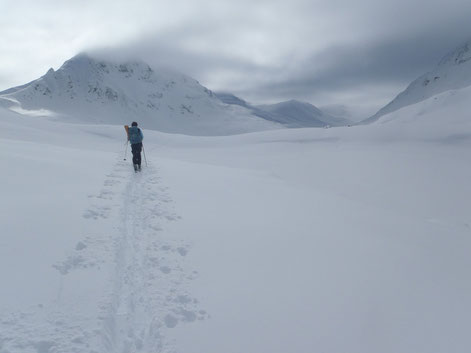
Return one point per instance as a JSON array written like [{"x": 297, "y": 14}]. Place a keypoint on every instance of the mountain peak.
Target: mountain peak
[
  {"x": 458, "y": 56},
  {"x": 296, "y": 104},
  {"x": 295, "y": 101},
  {"x": 85, "y": 61},
  {"x": 78, "y": 60},
  {"x": 294, "y": 113}
]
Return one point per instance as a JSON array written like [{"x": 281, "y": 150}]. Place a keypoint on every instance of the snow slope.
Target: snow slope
[
  {"x": 89, "y": 90},
  {"x": 292, "y": 114},
  {"x": 453, "y": 72},
  {"x": 294, "y": 240}
]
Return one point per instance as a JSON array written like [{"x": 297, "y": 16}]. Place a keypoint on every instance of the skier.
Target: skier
[{"x": 135, "y": 137}]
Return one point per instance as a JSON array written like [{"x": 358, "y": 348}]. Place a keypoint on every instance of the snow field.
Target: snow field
[
  {"x": 326, "y": 246},
  {"x": 88, "y": 271},
  {"x": 336, "y": 240}
]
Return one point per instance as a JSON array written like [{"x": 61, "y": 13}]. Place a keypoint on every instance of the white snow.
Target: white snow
[{"x": 302, "y": 240}]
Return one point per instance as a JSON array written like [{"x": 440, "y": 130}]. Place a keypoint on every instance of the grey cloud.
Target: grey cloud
[
  {"x": 173, "y": 48},
  {"x": 389, "y": 57},
  {"x": 316, "y": 50},
  {"x": 397, "y": 62},
  {"x": 389, "y": 62}
]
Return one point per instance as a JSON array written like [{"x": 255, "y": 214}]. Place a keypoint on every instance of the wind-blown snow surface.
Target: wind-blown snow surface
[{"x": 305, "y": 240}]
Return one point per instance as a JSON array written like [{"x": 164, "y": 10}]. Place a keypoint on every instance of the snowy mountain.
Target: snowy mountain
[
  {"x": 294, "y": 113},
  {"x": 231, "y": 99},
  {"x": 89, "y": 90},
  {"x": 291, "y": 113},
  {"x": 452, "y": 72}
]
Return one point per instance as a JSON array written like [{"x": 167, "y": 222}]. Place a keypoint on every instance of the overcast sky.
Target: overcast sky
[{"x": 332, "y": 53}]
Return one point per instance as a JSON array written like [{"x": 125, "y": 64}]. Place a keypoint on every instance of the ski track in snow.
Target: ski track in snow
[{"x": 144, "y": 272}]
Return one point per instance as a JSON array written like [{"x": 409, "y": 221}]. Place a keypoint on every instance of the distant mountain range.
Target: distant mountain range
[
  {"x": 293, "y": 113},
  {"x": 452, "y": 72},
  {"x": 91, "y": 90},
  {"x": 86, "y": 89}
]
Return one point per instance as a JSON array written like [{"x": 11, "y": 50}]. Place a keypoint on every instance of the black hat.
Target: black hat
[{"x": 134, "y": 123}]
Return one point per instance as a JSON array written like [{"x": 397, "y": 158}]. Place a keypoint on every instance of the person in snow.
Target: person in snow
[{"x": 135, "y": 137}]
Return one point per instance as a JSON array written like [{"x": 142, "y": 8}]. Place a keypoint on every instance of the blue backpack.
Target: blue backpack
[{"x": 135, "y": 135}]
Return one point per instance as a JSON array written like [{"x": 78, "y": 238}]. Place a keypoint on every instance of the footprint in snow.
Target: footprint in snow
[
  {"x": 182, "y": 251},
  {"x": 165, "y": 269},
  {"x": 170, "y": 321}
]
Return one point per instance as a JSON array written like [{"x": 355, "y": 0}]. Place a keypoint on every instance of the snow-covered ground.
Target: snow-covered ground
[{"x": 303, "y": 240}]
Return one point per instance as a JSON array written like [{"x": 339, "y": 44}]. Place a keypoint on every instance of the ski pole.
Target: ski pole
[
  {"x": 126, "y": 150},
  {"x": 144, "y": 151}
]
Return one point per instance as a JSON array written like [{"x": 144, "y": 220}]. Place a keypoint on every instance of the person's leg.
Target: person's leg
[
  {"x": 138, "y": 154},
  {"x": 135, "y": 155}
]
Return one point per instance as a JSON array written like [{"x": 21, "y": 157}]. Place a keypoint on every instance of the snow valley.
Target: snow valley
[{"x": 305, "y": 239}]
